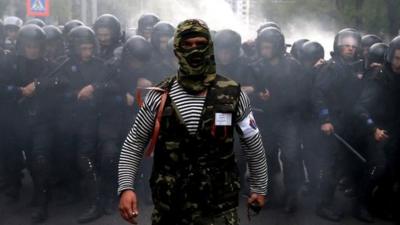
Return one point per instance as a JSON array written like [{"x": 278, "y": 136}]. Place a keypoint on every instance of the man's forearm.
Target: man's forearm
[
  {"x": 133, "y": 149},
  {"x": 255, "y": 155}
]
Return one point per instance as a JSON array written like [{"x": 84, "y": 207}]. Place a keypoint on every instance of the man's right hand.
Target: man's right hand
[
  {"x": 327, "y": 128},
  {"x": 128, "y": 206},
  {"x": 265, "y": 95},
  {"x": 28, "y": 90},
  {"x": 130, "y": 100},
  {"x": 380, "y": 135}
]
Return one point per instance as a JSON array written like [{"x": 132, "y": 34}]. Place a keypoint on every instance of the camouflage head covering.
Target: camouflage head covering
[{"x": 194, "y": 79}]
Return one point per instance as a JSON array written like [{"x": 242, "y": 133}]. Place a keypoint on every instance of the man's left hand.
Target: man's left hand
[
  {"x": 29, "y": 90},
  {"x": 256, "y": 199},
  {"x": 86, "y": 93}
]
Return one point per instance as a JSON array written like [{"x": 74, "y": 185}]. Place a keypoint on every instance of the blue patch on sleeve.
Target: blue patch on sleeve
[
  {"x": 324, "y": 112},
  {"x": 118, "y": 98}
]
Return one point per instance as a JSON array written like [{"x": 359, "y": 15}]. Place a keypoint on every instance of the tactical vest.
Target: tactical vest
[{"x": 197, "y": 172}]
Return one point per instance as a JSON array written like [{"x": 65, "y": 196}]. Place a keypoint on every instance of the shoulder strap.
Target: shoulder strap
[
  {"x": 164, "y": 88},
  {"x": 157, "y": 124}
]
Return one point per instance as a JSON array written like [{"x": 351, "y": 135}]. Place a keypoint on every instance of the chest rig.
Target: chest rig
[{"x": 199, "y": 171}]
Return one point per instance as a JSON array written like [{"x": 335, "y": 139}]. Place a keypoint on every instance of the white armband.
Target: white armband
[{"x": 248, "y": 126}]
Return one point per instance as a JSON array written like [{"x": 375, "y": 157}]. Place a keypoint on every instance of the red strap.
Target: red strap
[
  {"x": 139, "y": 98},
  {"x": 157, "y": 125},
  {"x": 213, "y": 130}
]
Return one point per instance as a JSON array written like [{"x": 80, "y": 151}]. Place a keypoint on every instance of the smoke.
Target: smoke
[
  {"x": 311, "y": 30},
  {"x": 218, "y": 14}
]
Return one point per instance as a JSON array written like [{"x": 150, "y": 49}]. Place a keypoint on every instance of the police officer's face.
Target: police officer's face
[
  {"x": 396, "y": 62},
  {"x": 365, "y": 52},
  {"x": 267, "y": 50},
  {"x": 86, "y": 51},
  {"x": 147, "y": 33},
  {"x": 135, "y": 63},
  {"x": 164, "y": 43},
  {"x": 348, "y": 47},
  {"x": 224, "y": 56},
  {"x": 51, "y": 48},
  {"x": 32, "y": 51},
  {"x": 104, "y": 36},
  {"x": 12, "y": 33}
]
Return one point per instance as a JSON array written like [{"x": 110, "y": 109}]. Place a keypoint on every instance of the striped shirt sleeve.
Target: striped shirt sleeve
[
  {"x": 136, "y": 141},
  {"x": 252, "y": 146}
]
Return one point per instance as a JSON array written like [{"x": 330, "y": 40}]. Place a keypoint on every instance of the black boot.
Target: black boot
[
  {"x": 361, "y": 213},
  {"x": 3, "y": 183},
  {"x": 109, "y": 206},
  {"x": 94, "y": 211},
  {"x": 13, "y": 193},
  {"x": 328, "y": 213},
  {"x": 40, "y": 174},
  {"x": 108, "y": 173},
  {"x": 290, "y": 204},
  {"x": 39, "y": 214}
]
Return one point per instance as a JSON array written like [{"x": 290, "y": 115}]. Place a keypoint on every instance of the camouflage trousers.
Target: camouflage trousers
[{"x": 229, "y": 217}]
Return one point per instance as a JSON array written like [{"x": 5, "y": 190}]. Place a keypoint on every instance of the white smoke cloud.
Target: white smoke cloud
[
  {"x": 218, "y": 14},
  {"x": 312, "y": 30}
]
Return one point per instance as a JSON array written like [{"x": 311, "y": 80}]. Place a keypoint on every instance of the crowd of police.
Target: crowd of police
[{"x": 68, "y": 96}]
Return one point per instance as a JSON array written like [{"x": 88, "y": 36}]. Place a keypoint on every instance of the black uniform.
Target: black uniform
[
  {"x": 310, "y": 55},
  {"x": 337, "y": 88},
  {"x": 281, "y": 116},
  {"x": 379, "y": 107},
  {"x": 29, "y": 123},
  {"x": 78, "y": 118}
]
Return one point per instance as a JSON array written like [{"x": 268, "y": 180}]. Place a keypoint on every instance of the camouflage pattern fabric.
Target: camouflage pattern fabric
[
  {"x": 194, "y": 79},
  {"x": 195, "y": 177}
]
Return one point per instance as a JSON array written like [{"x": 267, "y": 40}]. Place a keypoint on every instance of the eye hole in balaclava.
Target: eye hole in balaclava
[{"x": 196, "y": 46}]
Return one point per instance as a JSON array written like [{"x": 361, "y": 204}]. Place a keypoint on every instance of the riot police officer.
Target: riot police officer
[
  {"x": 163, "y": 57},
  {"x": 108, "y": 32},
  {"x": 11, "y": 26},
  {"x": 336, "y": 89},
  {"x": 367, "y": 41},
  {"x": 31, "y": 113},
  {"x": 81, "y": 80},
  {"x": 378, "y": 109},
  {"x": 116, "y": 111},
  {"x": 55, "y": 48},
  {"x": 146, "y": 23},
  {"x": 278, "y": 76},
  {"x": 311, "y": 57}
]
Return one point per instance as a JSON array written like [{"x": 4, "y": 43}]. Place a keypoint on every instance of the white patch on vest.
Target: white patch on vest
[
  {"x": 223, "y": 119},
  {"x": 248, "y": 126}
]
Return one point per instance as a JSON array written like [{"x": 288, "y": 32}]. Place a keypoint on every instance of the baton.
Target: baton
[{"x": 349, "y": 147}]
